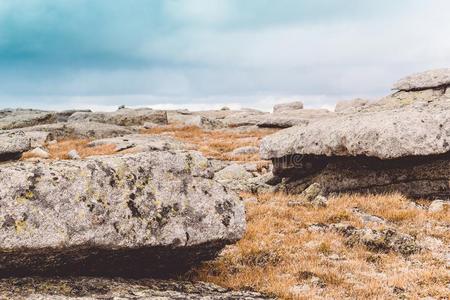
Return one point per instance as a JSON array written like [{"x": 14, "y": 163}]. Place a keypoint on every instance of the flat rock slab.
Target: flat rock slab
[
  {"x": 83, "y": 130},
  {"x": 383, "y": 134},
  {"x": 25, "y": 118},
  {"x": 439, "y": 78},
  {"x": 286, "y": 119},
  {"x": 141, "y": 143},
  {"x": 153, "y": 213},
  {"x": 12, "y": 145},
  {"x": 100, "y": 288},
  {"x": 123, "y": 117}
]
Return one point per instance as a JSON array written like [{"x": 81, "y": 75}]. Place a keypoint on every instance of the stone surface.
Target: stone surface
[
  {"x": 288, "y": 106},
  {"x": 350, "y": 105},
  {"x": 383, "y": 134},
  {"x": 20, "y": 118},
  {"x": 288, "y": 119},
  {"x": 123, "y": 117},
  {"x": 438, "y": 206},
  {"x": 63, "y": 116},
  {"x": 104, "y": 288},
  {"x": 384, "y": 240},
  {"x": 141, "y": 143},
  {"x": 80, "y": 130},
  {"x": 235, "y": 177},
  {"x": 245, "y": 150},
  {"x": 148, "y": 214},
  {"x": 38, "y": 138},
  {"x": 203, "y": 122},
  {"x": 12, "y": 145},
  {"x": 73, "y": 154},
  {"x": 439, "y": 78},
  {"x": 311, "y": 192},
  {"x": 244, "y": 118}
]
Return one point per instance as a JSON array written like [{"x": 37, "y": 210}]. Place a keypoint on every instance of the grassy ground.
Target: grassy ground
[
  {"x": 216, "y": 143},
  {"x": 283, "y": 256}
]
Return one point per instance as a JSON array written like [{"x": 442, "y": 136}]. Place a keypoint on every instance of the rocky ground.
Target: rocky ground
[{"x": 294, "y": 204}]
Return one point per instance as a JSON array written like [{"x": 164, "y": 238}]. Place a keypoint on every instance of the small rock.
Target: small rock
[
  {"x": 73, "y": 154},
  {"x": 121, "y": 107},
  {"x": 320, "y": 201},
  {"x": 299, "y": 289},
  {"x": 438, "y": 206},
  {"x": 245, "y": 150},
  {"x": 225, "y": 108},
  {"x": 311, "y": 192},
  {"x": 53, "y": 142},
  {"x": 40, "y": 153}
]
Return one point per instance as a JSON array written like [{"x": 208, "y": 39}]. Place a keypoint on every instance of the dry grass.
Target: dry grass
[
  {"x": 60, "y": 149},
  {"x": 215, "y": 143},
  {"x": 279, "y": 252}
]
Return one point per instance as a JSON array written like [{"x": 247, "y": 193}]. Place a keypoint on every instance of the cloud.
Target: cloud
[{"x": 198, "y": 52}]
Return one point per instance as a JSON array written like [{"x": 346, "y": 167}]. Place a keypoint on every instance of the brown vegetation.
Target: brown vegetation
[
  {"x": 60, "y": 149},
  {"x": 215, "y": 143},
  {"x": 281, "y": 255}
]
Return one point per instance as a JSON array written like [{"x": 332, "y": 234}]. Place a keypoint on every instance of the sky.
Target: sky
[{"x": 202, "y": 54}]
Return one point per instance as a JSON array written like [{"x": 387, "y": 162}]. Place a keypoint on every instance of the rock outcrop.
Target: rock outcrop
[
  {"x": 286, "y": 119},
  {"x": 103, "y": 288},
  {"x": 12, "y": 145},
  {"x": 74, "y": 130},
  {"x": 433, "y": 79},
  {"x": 149, "y": 214},
  {"x": 350, "y": 105},
  {"x": 20, "y": 118},
  {"x": 406, "y": 149},
  {"x": 122, "y": 117},
  {"x": 288, "y": 106}
]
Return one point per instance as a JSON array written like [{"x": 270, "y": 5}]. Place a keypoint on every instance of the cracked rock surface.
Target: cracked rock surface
[
  {"x": 152, "y": 213},
  {"x": 101, "y": 288}
]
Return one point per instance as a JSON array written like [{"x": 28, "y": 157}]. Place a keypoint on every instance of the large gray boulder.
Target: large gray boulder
[
  {"x": 288, "y": 119},
  {"x": 20, "y": 118},
  {"x": 148, "y": 214},
  {"x": 104, "y": 288},
  {"x": 12, "y": 145},
  {"x": 287, "y": 106},
  {"x": 402, "y": 150},
  {"x": 123, "y": 117},
  {"x": 433, "y": 79}
]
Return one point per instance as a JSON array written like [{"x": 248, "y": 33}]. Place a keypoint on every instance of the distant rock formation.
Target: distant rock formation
[
  {"x": 288, "y": 106},
  {"x": 123, "y": 117}
]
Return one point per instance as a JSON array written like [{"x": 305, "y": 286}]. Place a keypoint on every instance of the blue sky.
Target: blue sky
[{"x": 208, "y": 53}]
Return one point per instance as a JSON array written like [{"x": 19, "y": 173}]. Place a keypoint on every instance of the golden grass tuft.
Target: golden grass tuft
[
  {"x": 215, "y": 143},
  {"x": 279, "y": 252},
  {"x": 61, "y": 148}
]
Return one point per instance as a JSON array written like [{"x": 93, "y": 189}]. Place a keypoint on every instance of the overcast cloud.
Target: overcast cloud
[{"x": 208, "y": 53}]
